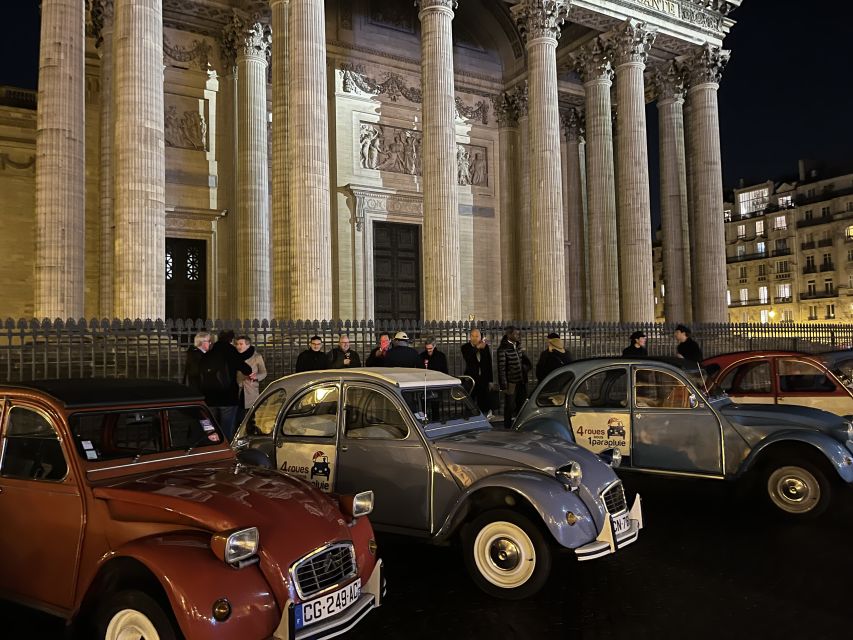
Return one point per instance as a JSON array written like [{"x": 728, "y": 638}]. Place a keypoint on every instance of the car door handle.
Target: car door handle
[
  {"x": 638, "y": 415},
  {"x": 344, "y": 447}
]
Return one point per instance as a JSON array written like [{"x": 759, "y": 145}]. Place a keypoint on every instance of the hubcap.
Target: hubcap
[
  {"x": 129, "y": 624},
  {"x": 504, "y": 554},
  {"x": 793, "y": 489}
]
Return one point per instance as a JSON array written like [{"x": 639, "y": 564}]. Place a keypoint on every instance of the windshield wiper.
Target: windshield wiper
[{"x": 143, "y": 450}]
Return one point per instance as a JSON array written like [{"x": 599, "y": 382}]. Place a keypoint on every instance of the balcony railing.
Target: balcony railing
[
  {"x": 783, "y": 299},
  {"x": 785, "y": 275},
  {"x": 827, "y": 266},
  {"x": 747, "y": 256},
  {"x": 811, "y": 222},
  {"x": 782, "y": 251},
  {"x": 752, "y": 302},
  {"x": 807, "y": 245},
  {"x": 805, "y": 295},
  {"x": 824, "y": 242},
  {"x": 809, "y": 268}
]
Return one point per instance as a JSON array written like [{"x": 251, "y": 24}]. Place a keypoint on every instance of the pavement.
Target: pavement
[{"x": 710, "y": 563}]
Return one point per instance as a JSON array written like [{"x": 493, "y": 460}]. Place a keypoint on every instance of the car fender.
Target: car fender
[
  {"x": 549, "y": 497},
  {"x": 549, "y": 426},
  {"x": 836, "y": 453},
  {"x": 193, "y": 578}
]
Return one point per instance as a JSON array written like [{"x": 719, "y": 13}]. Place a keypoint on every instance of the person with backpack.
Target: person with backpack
[{"x": 218, "y": 373}]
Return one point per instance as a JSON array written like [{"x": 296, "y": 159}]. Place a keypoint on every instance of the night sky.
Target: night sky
[{"x": 786, "y": 94}]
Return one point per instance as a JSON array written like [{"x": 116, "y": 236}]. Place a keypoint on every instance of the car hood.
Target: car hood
[{"x": 787, "y": 416}]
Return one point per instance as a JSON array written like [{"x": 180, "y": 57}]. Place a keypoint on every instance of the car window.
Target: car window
[
  {"x": 108, "y": 436},
  {"x": 654, "y": 388},
  {"x": 443, "y": 405},
  {"x": 314, "y": 415},
  {"x": 553, "y": 394},
  {"x": 606, "y": 389},
  {"x": 798, "y": 376},
  {"x": 191, "y": 427},
  {"x": 263, "y": 417},
  {"x": 748, "y": 378},
  {"x": 32, "y": 450},
  {"x": 371, "y": 414}
]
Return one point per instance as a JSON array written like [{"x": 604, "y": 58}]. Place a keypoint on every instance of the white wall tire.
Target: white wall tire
[
  {"x": 506, "y": 554},
  {"x": 130, "y": 624},
  {"x": 134, "y": 615},
  {"x": 800, "y": 490}
]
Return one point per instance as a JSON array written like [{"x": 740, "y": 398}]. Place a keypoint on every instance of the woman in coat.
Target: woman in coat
[{"x": 248, "y": 384}]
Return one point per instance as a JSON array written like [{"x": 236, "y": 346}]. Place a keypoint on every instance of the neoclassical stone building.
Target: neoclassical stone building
[{"x": 366, "y": 159}]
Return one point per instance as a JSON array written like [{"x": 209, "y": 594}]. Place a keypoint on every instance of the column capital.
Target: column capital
[
  {"x": 447, "y": 6},
  {"x": 594, "y": 61},
  {"x": 632, "y": 41},
  {"x": 519, "y": 96},
  {"x": 505, "y": 109},
  {"x": 245, "y": 38},
  {"x": 707, "y": 64},
  {"x": 102, "y": 14},
  {"x": 540, "y": 18},
  {"x": 670, "y": 82},
  {"x": 573, "y": 123}
]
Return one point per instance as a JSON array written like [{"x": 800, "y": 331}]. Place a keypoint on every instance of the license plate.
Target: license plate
[
  {"x": 621, "y": 524},
  {"x": 328, "y": 605}
]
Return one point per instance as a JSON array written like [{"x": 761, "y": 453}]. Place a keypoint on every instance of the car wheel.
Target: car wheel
[
  {"x": 506, "y": 554},
  {"x": 134, "y": 615},
  {"x": 799, "y": 490}
]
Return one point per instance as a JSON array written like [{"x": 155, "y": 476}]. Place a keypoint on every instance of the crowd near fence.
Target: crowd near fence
[{"x": 37, "y": 350}]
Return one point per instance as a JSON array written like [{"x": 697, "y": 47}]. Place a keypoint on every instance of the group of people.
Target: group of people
[
  {"x": 388, "y": 353},
  {"x": 686, "y": 347}
]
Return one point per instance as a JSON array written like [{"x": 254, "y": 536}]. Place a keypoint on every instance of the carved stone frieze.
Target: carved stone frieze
[
  {"x": 632, "y": 42},
  {"x": 7, "y": 163},
  {"x": 366, "y": 201},
  {"x": 197, "y": 53},
  {"x": 480, "y": 110},
  {"x": 187, "y": 130},
  {"x": 594, "y": 61},
  {"x": 540, "y": 18},
  {"x": 670, "y": 81},
  {"x": 392, "y": 14},
  {"x": 707, "y": 64}
]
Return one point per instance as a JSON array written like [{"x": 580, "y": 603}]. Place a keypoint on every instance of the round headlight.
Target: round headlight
[
  {"x": 617, "y": 458},
  {"x": 850, "y": 431},
  {"x": 571, "y": 475}
]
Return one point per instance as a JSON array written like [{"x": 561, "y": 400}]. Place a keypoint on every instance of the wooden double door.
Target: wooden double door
[{"x": 396, "y": 271}]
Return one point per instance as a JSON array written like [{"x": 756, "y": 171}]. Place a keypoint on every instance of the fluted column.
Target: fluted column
[
  {"x": 523, "y": 222},
  {"x": 60, "y": 163},
  {"x": 139, "y": 289},
  {"x": 574, "y": 223},
  {"x": 669, "y": 83},
  {"x": 102, "y": 18},
  {"x": 593, "y": 63},
  {"x": 250, "y": 41},
  {"x": 691, "y": 203},
  {"x": 709, "y": 235},
  {"x": 441, "y": 201},
  {"x": 540, "y": 22},
  {"x": 632, "y": 42},
  {"x": 308, "y": 118},
  {"x": 507, "y": 118},
  {"x": 280, "y": 221}
]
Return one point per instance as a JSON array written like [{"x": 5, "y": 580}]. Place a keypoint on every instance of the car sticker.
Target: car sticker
[
  {"x": 310, "y": 462},
  {"x": 91, "y": 455},
  {"x": 87, "y": 444},
  {"x": 206, "y": 424},
  {"x": 601, "y": 431}
]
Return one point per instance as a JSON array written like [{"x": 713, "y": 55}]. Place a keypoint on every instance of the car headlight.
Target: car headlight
[
  {"x": 358, "y": 505},
  {"x": 234, "y": 546},
  {"x": 570, "y": 475},
  {"x": 612, "y": 457}
]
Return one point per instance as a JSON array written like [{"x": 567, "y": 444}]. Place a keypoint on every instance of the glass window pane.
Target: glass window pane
[
  {"x": 799, "y": 376},
  {"x": 108, "y": 436},
  {"x": 443, "y": 405},
  {"x": 263, "y": 418},
  {"x": 32, "y": 450},
  {"x": 191, "y": 427},
  {"x": 373, "y": 415},
  {"x": 660, "y": 389},
  {"x": 753, "y": 377},
  {"x": 606, "y": 389},
  {"x": 314, "y": 415},
  {"x": 553, "y": 394}
]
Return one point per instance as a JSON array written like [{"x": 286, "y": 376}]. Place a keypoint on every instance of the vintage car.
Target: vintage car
[
  {"x": 126, "y": 513},
  {"x": 780, "y": 377},
  {"x": 673, "y": 427},
  {"x": 438, "y": 470}
]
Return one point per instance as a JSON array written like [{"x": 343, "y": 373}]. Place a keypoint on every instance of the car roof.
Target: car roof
[
  {"x": 404, "y": 378},
  {"x": 678, "y": 363},
  {"x": 756, "y": 353},
  {"x": 104, "y": 392}
]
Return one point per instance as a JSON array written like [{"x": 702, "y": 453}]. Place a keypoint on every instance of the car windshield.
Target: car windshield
[
  {"x": 113, "y": 435},
  {"x": 444, "y": 410}
]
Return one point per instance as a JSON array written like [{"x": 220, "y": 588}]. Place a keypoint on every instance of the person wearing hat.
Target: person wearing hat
[
  {"x": 637, "y": 348},
  {"x": 554, "y": 357},
  {"x": 402, "y": 355}
]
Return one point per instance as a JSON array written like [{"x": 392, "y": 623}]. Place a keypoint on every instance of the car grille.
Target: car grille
[
  {"x": 614, "y": 498},
  {"x": 324, "y": 569}
]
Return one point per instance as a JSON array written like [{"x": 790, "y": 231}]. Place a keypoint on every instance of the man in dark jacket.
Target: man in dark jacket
[
  {"x": 513, "y": 366},
  {"x": 432, "y": 358},
  {"x": 687, "y": 348},
  {"x": 313, "y": 359},
  {"x": 377, "y": 356},
  {"x": 192, "y": 368},
  {"x": 637, "y": 348},
  {"x": 218, "y": 376},
  {"x": 402, "y": 355},
  {"x": 554, "y": 357},
  {"x": 342, "y": 357},
  {"x": 478, "y": 366}
]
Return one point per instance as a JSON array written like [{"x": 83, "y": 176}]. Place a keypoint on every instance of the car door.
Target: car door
[
  {"x": 382, "y": 451},
  {"x": 41, "y": 509},
  {"x": 750, "y": 381},
  {"x": 805, "y": 383},
  {"x": 599, "y": 412},
  {"x": 673, "y": 428},
  {"x": 307, "y": 433}
]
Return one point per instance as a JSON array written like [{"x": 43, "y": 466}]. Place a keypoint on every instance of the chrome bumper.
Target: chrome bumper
[{"x": 606, "y": 543}]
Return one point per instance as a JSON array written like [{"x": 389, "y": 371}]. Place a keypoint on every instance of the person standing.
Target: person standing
[
  {"x": 513, "y": 367},
  {"x": 478, "y": 366},
  {"x": 342, "y": 357},
  {"x": 554, "y": 357},
  {"x": 249, "y": 387},
  {"x": 402, "y": 355},
  {"x": 313, "y": 358},
  {"x": 377, "y": 356},
  {"x": 195, "y": 354},
  {"x": 687, "y": 348},
  {"x": 637, "y": 348},
  {"x": 219, "y": 381},
  {"x": 432, "y": 358}
]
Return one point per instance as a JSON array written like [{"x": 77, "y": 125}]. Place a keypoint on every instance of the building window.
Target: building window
[
  {"x": 741, "y": 231},
  {"x": 850, "y": 206},
  {"x": 169, "y": 265},
  {"x": 824, "y": 212},
  {"x": 811, "y": 287},
  {"x": 787, "y": 315},
  {"x": 727, "y": 215},
  {"x": 850, "y": 281},
  {"x": 765, "y": 316},
  {"x": 760, "y": 247},
  {"x": 784, "y": 201},
  {"x": 741, "y": 250},
  {"x": 762, "y": 270},
  {"x": 830, "y": 311},
  {"x": 782, "y": 266},
  {"x": 808, "y": 215},
  {"x": 827, "y": 259},
  {"x": 783, "y": 290},
  {"x": 763, "y": 298},
  {"x": 662, "y": 290},
  {"x": 810, "y": 262},
  {"x": 812, "y": 312},
  {"x": 751, "y": 201},
  {"x": 848, "y": 232},
  {"x": 729, "y": 295},
  {"x": 810, "y": 193},
  {"x": 827, "y": 285},
  {"x": 742, "y": 273},
  {"x": 759, "y": 227},
  {"x": 744, "y": 295}
]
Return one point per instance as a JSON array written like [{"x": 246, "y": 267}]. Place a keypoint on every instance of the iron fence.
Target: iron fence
[{"x": 31, "y": 350}]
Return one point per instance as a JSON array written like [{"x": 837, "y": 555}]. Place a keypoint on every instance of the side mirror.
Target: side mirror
[{"x": 694, "y": 402}]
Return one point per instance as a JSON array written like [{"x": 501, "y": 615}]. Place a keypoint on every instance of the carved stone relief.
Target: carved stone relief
[
  {"x": 197, "y": 53},
  {"x": 186, "y": 130},
  {"x": 7, "y": 163},
  {"x": 393, "y": 14}
]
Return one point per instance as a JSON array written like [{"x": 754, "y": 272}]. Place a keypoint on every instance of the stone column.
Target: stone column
[
  {"x": 709, "y": 234},
  {"x": 250, "y": 41},
  {"x": 523, "y": 223},
  {"x": 539, "y": 22},
  {"x": 308, "y": 120},
  {"x": 691, "y": 202},
  {"x": 507, "y": 118},
  {"x": 102, "y": 17},
  {"x": 139, "y": 289},
  {"x": 593, "y": 63},
  {"x": 670, "y": 86},
  {"x": 60, "y": 163},
  {"x": 574, "y": 223},
  {"x": 632, "y": 42},
  {"x": 280, "y": 221},
  {"x": 441, "y": 201}
]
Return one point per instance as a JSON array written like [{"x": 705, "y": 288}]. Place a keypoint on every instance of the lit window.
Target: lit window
[
  {"x": 729, "y": 295},
  {"x": 741, "y": 231},
  {"x": 763, "y": 297},
  {"x": 759, "y": 227},
  {"x": 760, "y": 247},
  {"x": 744, "y": 296},
  {"x": 741, "y": 250},
  {"x": 848, "y": 232},
  {"x": 765, "y": 316},
  {"x": 830, "y": 311},
  {"x": 783, "y": 290},
  {"x": 169, "y": 265},
  {"x": 785, "y": 201},
  {"x": 780, "y": 223}
]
